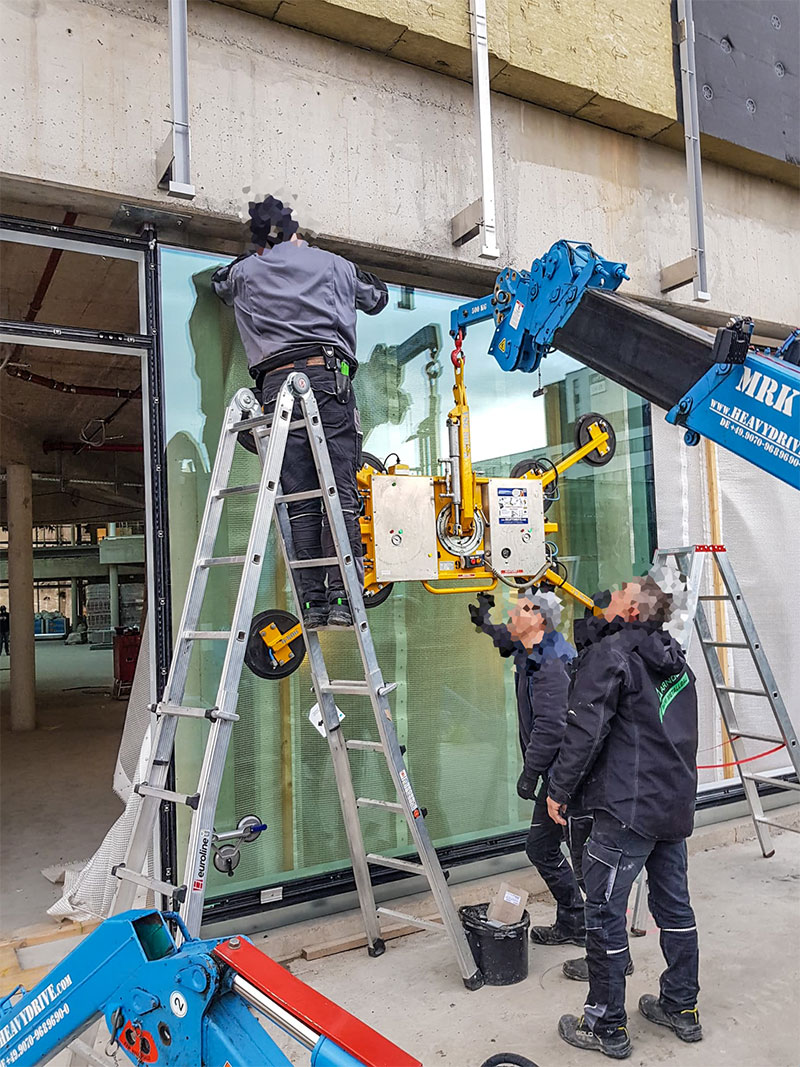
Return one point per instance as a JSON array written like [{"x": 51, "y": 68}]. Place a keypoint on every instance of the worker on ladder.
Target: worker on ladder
[
  {"x": 630, "y": 749},
  {"x": 295, "y": 308}
]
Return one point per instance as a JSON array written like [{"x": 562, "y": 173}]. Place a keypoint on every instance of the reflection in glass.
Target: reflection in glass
[{"x": 454, "y": 706}]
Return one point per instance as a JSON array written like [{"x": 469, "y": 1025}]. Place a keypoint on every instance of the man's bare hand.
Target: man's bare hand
[{"x": 556, "y": 811}]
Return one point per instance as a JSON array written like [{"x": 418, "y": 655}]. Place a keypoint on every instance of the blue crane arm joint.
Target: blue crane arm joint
[
  {"x": 529, "y": 306},
  {"x": 751, "y": 409}
]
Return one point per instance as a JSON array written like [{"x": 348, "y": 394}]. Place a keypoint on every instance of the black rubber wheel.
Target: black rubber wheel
[
  {"x": 372, "y": 600},
  {"x": 583, "y": 437},
  {"x": 258, "y": 657},
  {"x": 550, "y": 491},
  {"x": 508, "y": 1059}
]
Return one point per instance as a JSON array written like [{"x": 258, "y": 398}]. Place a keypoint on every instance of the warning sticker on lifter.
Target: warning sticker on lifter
[
  {"x": 512, "y": 506},
  {"x": 409, "y": 792},
  {"x": 516, "y": 315}
]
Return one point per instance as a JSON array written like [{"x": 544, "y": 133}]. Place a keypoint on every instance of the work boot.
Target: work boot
[
  {"x": 339, "y": 613},
  {"x": 315, "y": 616},
  {"x": 573, "y": 1030},
  {"x": 686, "y": 1023},
  {"x": 578, "y": 970},
  {"x": 555, "y": 935}
]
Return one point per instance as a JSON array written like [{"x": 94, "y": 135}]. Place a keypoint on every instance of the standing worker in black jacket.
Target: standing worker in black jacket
[
  {"x": 296, "y": 309},
  {"x": 541, "y": 660},
  {"x": 630, "y": 746}
]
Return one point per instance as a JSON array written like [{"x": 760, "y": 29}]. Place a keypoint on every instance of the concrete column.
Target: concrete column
[
  {"x": 74, "y": 610},
  {"x": 113, "y": 593},
  {"x": 19, "y": 489}
]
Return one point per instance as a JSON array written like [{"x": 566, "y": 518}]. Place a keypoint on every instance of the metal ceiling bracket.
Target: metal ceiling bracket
[
  {"x": 480, "y": 217},
  {"x": 693, "y": 268},
  {"x": 173, "y": 159}
]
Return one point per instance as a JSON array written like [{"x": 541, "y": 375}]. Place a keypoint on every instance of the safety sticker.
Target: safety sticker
[
  {"x": 516, "y": 315},
  {"x": 409, "y": 792},
  {"x": 317, "y": 721},
  {"x": 512, "y": 505}
]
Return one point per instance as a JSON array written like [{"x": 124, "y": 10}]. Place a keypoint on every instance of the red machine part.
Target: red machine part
[
  {"x": 126, "y": 652},
  {"x": 312, "y": 1008}
]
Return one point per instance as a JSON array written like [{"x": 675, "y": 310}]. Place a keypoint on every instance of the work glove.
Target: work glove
[
  {"x": 526, "y": 787},
  {"x": 478, "y": 612}
]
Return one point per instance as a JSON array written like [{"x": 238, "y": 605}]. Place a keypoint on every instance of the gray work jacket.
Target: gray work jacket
[{"x": 294, "y": 295}]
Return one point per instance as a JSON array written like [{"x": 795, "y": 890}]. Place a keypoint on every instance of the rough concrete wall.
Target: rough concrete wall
[
  {"x": 609, "y": 62},
  {"x": 370, "y": 150}
]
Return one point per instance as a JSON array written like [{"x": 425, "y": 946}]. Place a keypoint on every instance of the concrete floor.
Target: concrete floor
[
  {"x": 50, "y": 815},
  {"x": 749, "y": 922}
]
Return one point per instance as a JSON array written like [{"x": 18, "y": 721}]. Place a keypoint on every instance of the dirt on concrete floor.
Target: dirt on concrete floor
[
  {"x": 748, "y": 915},
  {"x": 57, "y": 798}
]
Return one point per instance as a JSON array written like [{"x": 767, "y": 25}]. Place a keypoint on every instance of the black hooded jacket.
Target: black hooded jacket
[
  {"x": 631, "y": 740},
  {"x": 541, "y": 678}
]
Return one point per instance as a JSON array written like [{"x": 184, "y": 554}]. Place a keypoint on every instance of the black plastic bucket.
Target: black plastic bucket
[{"x": 501, "y": 952}]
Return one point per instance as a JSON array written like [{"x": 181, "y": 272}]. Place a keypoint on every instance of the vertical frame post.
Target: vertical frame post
[
  {"x": 697, "y": 268},
  {"x": 483, "y": 113},
  {"x": 173, "y": 161},
  {"x": 160, "y": 610}
]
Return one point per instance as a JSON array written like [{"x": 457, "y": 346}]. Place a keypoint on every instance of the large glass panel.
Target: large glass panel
[{"x": 454, "y": 706}]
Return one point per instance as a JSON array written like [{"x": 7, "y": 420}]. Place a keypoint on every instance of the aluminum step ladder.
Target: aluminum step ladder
[
  {"x": 270, "y": 432},
  {"x": 691, "y": 561}
]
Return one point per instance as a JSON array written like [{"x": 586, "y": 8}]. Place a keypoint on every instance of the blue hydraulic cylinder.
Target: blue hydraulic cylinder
[
  {"x": 528, "y": 307},
  {"x": 751, "y": 409}
]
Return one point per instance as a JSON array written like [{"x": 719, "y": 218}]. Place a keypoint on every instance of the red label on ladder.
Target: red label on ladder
[{"x": 709, "y": 548}]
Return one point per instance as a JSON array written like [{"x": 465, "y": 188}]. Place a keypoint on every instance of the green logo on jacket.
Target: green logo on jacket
[{"x": 668, "y": 690}]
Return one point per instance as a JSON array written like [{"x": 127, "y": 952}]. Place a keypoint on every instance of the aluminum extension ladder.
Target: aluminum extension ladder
[
  {"x": 270, "y": 432},
  {"x": 691, "y": 562}
]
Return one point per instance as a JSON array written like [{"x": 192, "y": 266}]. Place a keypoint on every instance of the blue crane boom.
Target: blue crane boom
[{"x": 719, "y": 387}]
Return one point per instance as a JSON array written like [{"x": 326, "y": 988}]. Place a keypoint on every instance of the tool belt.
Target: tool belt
[{"x": 343, "y": 366}]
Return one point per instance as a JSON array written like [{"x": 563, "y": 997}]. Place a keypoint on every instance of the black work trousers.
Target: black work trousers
[
  {"x": 613, "y": 858},
  {"x": 310, "y": 528},
  {"x": 543, "y": 848}
]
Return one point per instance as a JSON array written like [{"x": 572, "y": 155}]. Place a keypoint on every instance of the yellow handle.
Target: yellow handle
[{"x": 460, "y": 589}]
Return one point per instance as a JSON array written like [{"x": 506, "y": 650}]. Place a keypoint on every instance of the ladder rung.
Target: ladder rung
[
  {"x": 744, "y": 692},
  {"x": 206, "y": 635},
  {"x": 184, "y": 712},
  {"x": 402, "y": 916},
  {"x": 232, "y": 490},
  {"x": 166, "y": 889},
  {"x": 290, "y": 498},
  {"x": 221, "y": 561},
  {"x": 726, "y": 644},
  {"x": 714, "y": 596},
  {"x": 395, "y": 864},
  {"x": 779, "y": 783},
  {"x": 389, "y": 805},
  {"x": 323, "y": 561},
  {"x": 767, "y": 822},
  {"x": 366, "y": 746},
  {"x": 736, "y": 734},
  {"x": 353, "y": 688},
  {"x": 251, "y": 424},
  {"x": 191, "y": 800}
]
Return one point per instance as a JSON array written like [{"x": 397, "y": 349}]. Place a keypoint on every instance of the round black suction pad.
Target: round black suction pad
[
  {"x": 261, "y": 660},
  {"x": 583, "y": 437}
]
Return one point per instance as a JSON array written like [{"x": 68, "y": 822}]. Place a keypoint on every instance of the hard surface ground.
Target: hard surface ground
[
  {"x": 57, "y": 801},
  {"x": 748, "y": 914}
]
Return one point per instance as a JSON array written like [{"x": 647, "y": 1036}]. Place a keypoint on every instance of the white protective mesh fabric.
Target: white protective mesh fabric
[{"x": 89, "y": 891}]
